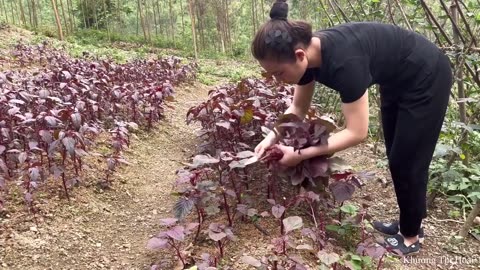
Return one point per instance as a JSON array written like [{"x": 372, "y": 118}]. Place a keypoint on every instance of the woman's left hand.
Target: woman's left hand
[{"x": 290, "y": 157}]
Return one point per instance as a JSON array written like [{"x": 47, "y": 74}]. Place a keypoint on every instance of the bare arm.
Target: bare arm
[
  {"x": 356, "y": 118},
  {"x": 302, "y": 98}
]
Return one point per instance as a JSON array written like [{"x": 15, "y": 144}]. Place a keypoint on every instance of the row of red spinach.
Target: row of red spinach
[
  {"x": 53, "y": 107},
  {"x": 227, "y": 179}
]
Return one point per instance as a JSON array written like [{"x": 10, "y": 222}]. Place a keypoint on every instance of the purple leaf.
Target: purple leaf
[
  {"x": 183, "y": 207},
  {"x": 265, "y": 214},
  {"x": 16, "y": 101},
  {"x": 33, "y": 145},
  {"x": 224, "y": 124},
  {"x": 28, "y": 197},
  {"x": 242, "y": 208},
  {"x": 51, "y": 120},
  {"x": 168, "y": 221},
  {"x": 292, "y": 223},
  {"x": 177, "y": 233},
  {"x": 371, "y": 249},
  {"x": 341, "y": 191},
  {"x": 77, "y": 120},
  {"x": 191, "y": 226},
  {"x": 252, "y": 212},
  {"x": 278, "y": 210},
  {"x": 231, "y": 193},
  {"x": 2, "y": 149},
  {"x": 251, "y": 261},
  {"x": 44, "y": 93},
  {"x": 34, "y": 174},
  {"x": 318, "y": 167},
  {"x": 22, "y": 157},
  {"x": 69, "y": 144},
  {"x": 13, "y": 111},
  {"x": 328, "y": 258},
  {"x": 243, "y": 163},
  {"x": 200, "y": 160},
  {"x": 356, "y": 181},
  {"x": 46, "y": 136},
  {"x": 67, "y": 75},
  {"x": 216, "y": 236},
  {"x": 245, "y": 154},
  {"x": 157, "y": 243}
]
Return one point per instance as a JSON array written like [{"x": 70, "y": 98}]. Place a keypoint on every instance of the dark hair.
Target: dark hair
[{"x": 278, "y": 38}]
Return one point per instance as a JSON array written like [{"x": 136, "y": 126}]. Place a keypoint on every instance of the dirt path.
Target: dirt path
[{"x": 108, "y": 230}]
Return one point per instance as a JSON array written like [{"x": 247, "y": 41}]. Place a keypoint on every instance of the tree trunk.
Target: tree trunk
[
  {"x": 64, "y": 17},
  {"x": 228, "y": 26},
  {"x": 192, "y": 18},
  {"x": 171, "y": 20},
  {"x": 263, "y": 10},
  {"x": 155, "y": 18},
  {"x": 84, "y": 7},
  {"x": 200, "y": 25},
  {"x": 148, "y": 21},
  {"x": 459, "y": 58},
  {"x": 141, "y": 20},
  {"x": 183, "y": 20},
  {"x": 107, "y": 25},
  {"x": 34, "y": 13},
  {"x": 12, "y": 11},
  {"x": 71, "y": 16},
  {"x": 57, "y": 20},
  {"x": 30, "y": 19},
  {"x": 469, "y": 222},
  {"x": 95, "y": 13},
  {"x": 253, "y": 18},
  {"x": 159, "y": 14},
  {"x": 22, "y": 13},
  {"x": 119, "y": 17},
  {"x": 4, "y": 8}
]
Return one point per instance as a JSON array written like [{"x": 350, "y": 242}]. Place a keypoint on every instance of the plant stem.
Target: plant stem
[
  {"x": 177, "y": 250},
  {"x": 227, "y": 209},
  {"x": 220, "y": 246}
]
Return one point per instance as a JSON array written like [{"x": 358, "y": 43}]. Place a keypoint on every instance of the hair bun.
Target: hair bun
[{"x": 279, "y": 10}]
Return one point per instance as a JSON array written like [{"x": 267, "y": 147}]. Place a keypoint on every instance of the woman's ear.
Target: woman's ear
[{"x": 300, "y": 54}]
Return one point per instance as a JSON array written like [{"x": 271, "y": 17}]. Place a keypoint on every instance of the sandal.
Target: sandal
[
  {"x": 396, "y": 245},
  {"x": 393, "y": 228}
]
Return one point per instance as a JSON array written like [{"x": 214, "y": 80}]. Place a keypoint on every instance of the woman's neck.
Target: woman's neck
[{"x": 314, "y": 53}]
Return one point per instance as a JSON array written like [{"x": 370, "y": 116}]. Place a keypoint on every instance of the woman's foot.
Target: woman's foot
[
  {"x": 393, "y": 228},
  {"x": 401, "y": 246}
]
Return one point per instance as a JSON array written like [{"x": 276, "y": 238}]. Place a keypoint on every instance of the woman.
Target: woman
[{"x": 415, "y": 79}]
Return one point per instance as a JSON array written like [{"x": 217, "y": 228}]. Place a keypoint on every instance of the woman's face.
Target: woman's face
[{"x": 287, "y": 72}]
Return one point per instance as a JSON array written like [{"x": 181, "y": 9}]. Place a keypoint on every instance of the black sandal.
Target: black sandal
[{"x": 396, "y": 245}]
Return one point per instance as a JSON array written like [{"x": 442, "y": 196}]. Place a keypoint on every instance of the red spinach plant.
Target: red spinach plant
[
  {"x": 226, "y": 177},
  {"x": 51, "y": 114}
]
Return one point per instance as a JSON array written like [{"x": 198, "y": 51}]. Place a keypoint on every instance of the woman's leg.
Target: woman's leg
[{"x": 420, "y": 116}]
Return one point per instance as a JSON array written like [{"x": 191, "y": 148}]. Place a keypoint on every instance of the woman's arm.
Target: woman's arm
[
  {"x": 356, "y": 118},
  {"x": 302, "y": 98}
]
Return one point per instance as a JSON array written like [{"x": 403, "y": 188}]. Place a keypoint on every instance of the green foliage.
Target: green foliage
[
  {"x": 213, "y": 72},
  {"x": 461, "y": 183}
]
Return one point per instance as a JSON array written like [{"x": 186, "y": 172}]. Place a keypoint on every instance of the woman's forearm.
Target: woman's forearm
[{"x": 337, "y": 142}]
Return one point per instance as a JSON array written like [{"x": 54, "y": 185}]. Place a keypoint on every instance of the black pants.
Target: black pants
[{"x": 411, "y": 122}]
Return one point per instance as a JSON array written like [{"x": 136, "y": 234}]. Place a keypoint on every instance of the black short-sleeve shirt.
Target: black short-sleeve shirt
[{"x": 358, "y": 55}]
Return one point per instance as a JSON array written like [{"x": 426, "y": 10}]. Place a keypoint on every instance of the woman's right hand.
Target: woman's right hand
[{"x": 266, "y": 143}]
